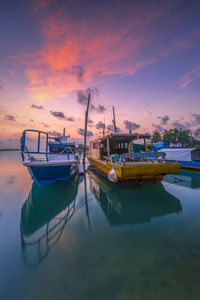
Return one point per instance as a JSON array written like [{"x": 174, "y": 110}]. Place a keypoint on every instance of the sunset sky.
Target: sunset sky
[{"x": 143, "y": 57}]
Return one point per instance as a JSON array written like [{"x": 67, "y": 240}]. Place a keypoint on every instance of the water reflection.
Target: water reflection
[
  {"x": 184, "y": 186},
  {"x": 44, "y": 215},
  {"x": 132, "y": 204},
  {"x": 185, "y": 179}
]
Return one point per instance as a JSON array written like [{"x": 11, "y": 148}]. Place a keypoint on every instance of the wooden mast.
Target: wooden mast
[
  {"x": 85, "y": 134},
  {"x": 114, "y": 122}
]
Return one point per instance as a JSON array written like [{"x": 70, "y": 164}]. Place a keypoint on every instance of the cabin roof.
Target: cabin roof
[{"x": 122, "y": 137}]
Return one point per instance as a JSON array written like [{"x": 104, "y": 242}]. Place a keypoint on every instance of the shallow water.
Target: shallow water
[{"x": 88, "y": 239}]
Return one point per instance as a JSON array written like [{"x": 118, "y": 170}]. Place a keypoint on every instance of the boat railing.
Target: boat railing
[
  {"x": 38, "y": 152},
  {"x": 138, "y": 155}
]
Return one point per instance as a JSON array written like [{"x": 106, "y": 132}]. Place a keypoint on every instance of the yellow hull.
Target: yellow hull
[{"x": 138, "y": 173}]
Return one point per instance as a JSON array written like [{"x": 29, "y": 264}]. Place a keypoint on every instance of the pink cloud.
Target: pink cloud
[
  {"x": 189, "y": 77},
  {"x": 109, "y": 43}
]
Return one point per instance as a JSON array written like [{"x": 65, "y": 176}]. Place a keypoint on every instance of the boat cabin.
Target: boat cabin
[
  {"x": 58, "y": 146},
  {"x": 114, "y": 145}
]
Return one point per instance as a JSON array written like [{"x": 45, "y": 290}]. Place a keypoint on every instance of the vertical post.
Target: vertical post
[
  {"x": 104, "y": 127},
  {"x": 64, "y": 139},
  {"x": 108, "y": 148},
  {"x": 130, "y": 129},
  {"x": 85, "y": 134},
  {"x": 145, "y": 145},
  {"x": 114, "y": 123},
  {"x": 38, "y": 141}
]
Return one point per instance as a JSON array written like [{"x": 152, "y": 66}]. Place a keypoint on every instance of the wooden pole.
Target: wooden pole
[
  {"x": 145, "y": 145},
  {"x": 108, "y": 148},
  {"x": 114, "y": 121},
  {"x": 85, "y": 134},
  {"x": 104, "y": 126}
]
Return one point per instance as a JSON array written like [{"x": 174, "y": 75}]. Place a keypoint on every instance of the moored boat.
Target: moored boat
[
  {"x": 189, "y": 158},
  {"x": 112, "y": 156},
  {"x": 51, "y": 160}
]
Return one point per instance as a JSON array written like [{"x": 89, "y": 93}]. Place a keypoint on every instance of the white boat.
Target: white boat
[{"x": 58, "y": 161}]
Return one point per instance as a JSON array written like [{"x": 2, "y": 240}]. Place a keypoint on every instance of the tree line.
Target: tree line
[{"x": 176, "y": 136}]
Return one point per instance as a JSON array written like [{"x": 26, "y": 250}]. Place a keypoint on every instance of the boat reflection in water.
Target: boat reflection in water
[
  {"x": 185, "y": 185},
  {"x": 44, "y": 215},
  {"x": 131, "y": 204}
]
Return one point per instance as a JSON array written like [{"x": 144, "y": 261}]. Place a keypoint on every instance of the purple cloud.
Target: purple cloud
[
  {"x": 37, "y": 106},
  {"x": 61, "y": 115},
  {"x": 82, "y": 132},
  {"x": 10, "y": 118},
  {"x": 99, "y": 125},
  {"x": 134, "y": 126},
  {"x": 158, "y": 127},
  {"x": 164, "y": 119}
]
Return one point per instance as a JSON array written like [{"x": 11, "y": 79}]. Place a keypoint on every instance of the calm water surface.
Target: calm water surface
[{"x": 88, "y": 239}]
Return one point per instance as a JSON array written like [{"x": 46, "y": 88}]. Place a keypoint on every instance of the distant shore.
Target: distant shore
[{"x": 9, "y": 149}]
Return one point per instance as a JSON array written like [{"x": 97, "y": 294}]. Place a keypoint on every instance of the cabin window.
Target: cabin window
[
  {"x": 95, "y": 145},
  {"x": 126, "y": 145},
  {"x": 115, "y": 146},
  {"x": 122, "y": 145}
]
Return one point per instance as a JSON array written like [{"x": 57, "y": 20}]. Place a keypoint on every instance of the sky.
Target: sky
[{"x": 142, "y": 57}]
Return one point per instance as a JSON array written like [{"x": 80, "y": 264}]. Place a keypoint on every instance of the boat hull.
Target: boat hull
[
  {"x": 188, "y": 164},
  {"x": 137, "y": 173},
  {"x": 48, "y": 174}
]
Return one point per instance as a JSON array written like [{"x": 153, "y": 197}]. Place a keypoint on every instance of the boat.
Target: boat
[
  {"x": 44, "y": 215},
  {"x": 130, "y": 205},
  {"x": 189, "y": 158},
  {"x": 48, "y": 159},
  {"x": 111, "y": 155}
]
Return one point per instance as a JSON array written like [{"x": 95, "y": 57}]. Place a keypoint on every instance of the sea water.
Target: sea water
[{"x": 89, "y": 239}]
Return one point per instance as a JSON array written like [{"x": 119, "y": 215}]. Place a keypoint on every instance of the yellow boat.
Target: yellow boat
[{"x": 112, "y": 156}]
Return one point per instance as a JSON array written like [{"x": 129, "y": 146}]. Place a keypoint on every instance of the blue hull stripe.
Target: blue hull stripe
[{"x": 187, "y": 163}]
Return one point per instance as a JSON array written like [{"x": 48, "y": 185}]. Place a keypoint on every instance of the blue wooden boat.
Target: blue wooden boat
[{"x": 53, "y": 159}]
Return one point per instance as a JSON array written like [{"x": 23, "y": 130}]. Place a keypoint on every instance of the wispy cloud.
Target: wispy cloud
[
  {"x": 131, "y": 125},
  {"x": 158, "y": 127},
  {"x": 82, "y": 98},
  {"x": 37, "y": 106},
  {"x": 164, "y": 119},
  {"x": 54, "y": 133},
  {"x": 78, "y": 71},
  {"x": 45, "y": 125},
  {"x": 82, "y": 132},
  {"x": 190, "y": 77},
  {"x": 77, "y": 49},
  {"x": 99, "y": 125},
  {"x": 196, "y": 119},
  {"x": 61, "y": 115},
  {"x": 10, "y": 118},
  {"x": 177, "y": 124}
]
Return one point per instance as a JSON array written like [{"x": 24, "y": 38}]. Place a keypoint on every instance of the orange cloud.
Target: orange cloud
[{"x": 118, "y": 42}]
